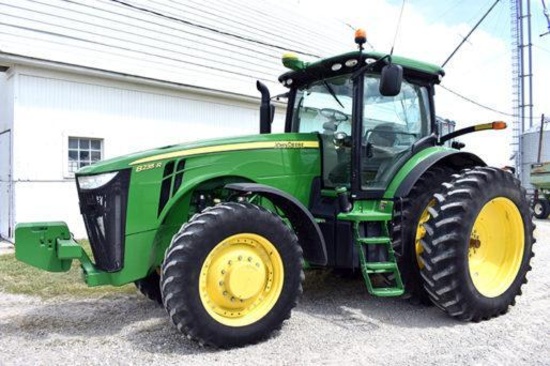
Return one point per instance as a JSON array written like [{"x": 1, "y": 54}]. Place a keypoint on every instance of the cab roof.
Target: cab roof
[{"x": 304, "y": 72}]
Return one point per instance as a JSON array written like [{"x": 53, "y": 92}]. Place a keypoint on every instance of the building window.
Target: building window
[{"x": 83, "y": 152}]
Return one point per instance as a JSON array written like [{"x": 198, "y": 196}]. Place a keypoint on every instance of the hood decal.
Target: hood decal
[{"x": 231, "y": 147}]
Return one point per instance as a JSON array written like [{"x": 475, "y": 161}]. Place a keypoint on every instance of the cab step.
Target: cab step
[
  {"x": 377, "y": 267},
  {"x": 388, "y": 267}
]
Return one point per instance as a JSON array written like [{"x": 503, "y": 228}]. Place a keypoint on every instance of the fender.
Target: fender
[
  {"x": 457, "y": 159},
  {"x": 308, "y": 232}
]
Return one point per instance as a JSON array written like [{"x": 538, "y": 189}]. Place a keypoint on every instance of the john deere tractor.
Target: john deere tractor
[{"x": 220, "y": 231}]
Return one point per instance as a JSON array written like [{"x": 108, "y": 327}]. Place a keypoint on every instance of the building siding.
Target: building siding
[{"x": 218, "y": 45}]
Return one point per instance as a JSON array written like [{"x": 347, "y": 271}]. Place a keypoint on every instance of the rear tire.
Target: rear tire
[
  {"x": 407, "y": 214},
  {"x": 478, "y": 244},
  {"x": 232, "y": 275},
  {"x": 541, "y": 208}
]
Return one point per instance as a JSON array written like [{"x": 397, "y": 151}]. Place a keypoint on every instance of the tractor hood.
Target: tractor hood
[{"x": 243, "y": 143}]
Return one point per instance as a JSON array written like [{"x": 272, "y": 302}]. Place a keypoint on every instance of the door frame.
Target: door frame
[{"x": 10, "y": 229}]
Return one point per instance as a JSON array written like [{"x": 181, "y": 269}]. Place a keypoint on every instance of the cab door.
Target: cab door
[{"x": 325, "y": 107}]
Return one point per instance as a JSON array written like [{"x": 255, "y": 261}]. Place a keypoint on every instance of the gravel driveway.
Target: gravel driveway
[{"x": 337, "y": 322}]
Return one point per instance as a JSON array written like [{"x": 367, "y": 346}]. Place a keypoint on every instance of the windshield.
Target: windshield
[{"x": 390, "y": 126}]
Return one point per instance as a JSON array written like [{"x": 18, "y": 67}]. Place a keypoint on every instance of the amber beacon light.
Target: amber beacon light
[{"x": 360, "y": 37}]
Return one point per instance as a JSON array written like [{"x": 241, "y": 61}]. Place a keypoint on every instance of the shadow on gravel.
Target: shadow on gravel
[
  {"x": 94, "y": 317},
  {"x": 346, "y": 302},
  {"x": 132, "y": 318}
]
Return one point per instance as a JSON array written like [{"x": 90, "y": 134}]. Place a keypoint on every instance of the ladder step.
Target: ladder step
[
  {"x": 389, "y": 266},
  {"x": 388, "y": 291},
  {"x": 380, "y": 240}
]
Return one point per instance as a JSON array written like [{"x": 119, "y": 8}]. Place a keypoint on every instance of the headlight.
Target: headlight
[{"x": 88, "y": 182}]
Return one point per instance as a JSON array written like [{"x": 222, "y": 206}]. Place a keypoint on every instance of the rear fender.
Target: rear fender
[{"x": 456, "y": 159}]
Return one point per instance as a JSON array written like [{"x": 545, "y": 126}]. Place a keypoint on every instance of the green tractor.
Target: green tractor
[
  {"x": 540, "y": 179},
  {"x": 220, "y": 231}
]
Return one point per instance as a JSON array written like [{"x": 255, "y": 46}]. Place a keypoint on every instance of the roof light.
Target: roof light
[
  {"x": 360, "y": 37},
  {"x": 336, "y": 67},
  {"x": 351, "y": 63}
]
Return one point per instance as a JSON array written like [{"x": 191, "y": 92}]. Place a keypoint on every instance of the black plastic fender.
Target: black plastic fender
[
  {"x": 457, "y": 159},
  {"x": 308, "y": 232}
]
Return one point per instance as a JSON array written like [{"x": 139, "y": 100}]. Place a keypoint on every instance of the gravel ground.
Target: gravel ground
[{"x": 337, "y": 322}]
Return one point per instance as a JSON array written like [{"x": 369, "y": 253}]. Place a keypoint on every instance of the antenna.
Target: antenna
[{"x": 398, "y": 26}]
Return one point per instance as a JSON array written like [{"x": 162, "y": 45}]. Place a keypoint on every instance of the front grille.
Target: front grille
[{"x": 104, "y": 213}]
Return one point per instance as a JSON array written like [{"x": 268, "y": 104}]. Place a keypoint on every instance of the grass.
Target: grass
[{"x": 19, "y": 278}]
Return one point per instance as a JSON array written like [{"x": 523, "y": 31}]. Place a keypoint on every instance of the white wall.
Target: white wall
[{"x": 51, "y": 106}]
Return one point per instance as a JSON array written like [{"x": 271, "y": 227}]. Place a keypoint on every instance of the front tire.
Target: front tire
[
  {"x": 541, "y": 208},
  {"x": 478, "y": 244},
  {"x": 232, "y": 275}
]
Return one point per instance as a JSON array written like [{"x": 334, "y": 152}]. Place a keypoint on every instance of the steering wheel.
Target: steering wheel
[
  {"x": 383, "y": 138},
  {"x": 334, "y": 114}
]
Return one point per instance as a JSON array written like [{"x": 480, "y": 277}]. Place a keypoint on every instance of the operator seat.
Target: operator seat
[{"x": 378, "y": 150}]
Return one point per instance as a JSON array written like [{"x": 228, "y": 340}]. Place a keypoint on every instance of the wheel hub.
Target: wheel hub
[
  {"x": 244, "y": 277},
  {"x": 241, "y": 279},
  {"x": 496, "y": 247},
  {"x": 538, "y": 208}
]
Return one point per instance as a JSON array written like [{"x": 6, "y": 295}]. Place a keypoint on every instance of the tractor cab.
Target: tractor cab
[{"x": 367, "y": 133}]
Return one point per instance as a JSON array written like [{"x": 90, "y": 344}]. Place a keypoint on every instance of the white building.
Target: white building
[{"x": 84, "y": 80}]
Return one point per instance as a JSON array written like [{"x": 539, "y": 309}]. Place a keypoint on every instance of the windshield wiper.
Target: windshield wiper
[{"x": 331, "y": 91}]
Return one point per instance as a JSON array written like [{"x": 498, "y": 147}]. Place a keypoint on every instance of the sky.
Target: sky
[{"x": 481, "y": 70}]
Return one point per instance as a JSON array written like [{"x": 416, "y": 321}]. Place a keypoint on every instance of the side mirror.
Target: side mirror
[{"x": 390, "y": 80}]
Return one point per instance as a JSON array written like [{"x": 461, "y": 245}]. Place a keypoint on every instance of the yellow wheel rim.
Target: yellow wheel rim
[
  {"x": 241, "y": 279},
  {"x": 421, "y": 233},
  {"x": 496, "y": 247}
]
